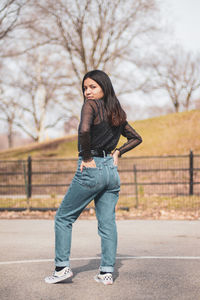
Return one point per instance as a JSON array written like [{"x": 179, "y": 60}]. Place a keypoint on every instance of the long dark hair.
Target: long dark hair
[{"x": 116, "y": 115}]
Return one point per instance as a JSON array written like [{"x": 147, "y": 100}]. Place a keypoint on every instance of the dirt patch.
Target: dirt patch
[{"x": 132, "y": 214}]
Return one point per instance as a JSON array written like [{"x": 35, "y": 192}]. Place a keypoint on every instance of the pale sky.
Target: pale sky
[{"x": 185, "y": 18}]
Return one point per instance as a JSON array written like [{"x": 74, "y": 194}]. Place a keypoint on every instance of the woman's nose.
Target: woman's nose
[{"x": 88, "y": 91}]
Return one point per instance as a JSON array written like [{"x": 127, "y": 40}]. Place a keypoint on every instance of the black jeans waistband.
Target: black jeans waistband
[{"x": 98, "y": 153}]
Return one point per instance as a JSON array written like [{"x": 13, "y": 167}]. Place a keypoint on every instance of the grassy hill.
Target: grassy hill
[{"x": 175, "y": 133}]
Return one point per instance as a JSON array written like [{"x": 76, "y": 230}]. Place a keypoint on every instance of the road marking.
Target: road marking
[{"x": 98, "y": 258}]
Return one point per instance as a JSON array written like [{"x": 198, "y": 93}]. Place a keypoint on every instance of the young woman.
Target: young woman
[{"x": 102, "y": 122}]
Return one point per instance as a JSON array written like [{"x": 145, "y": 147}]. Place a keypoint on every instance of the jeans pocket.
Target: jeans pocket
[{"x": 88, "y": 177}]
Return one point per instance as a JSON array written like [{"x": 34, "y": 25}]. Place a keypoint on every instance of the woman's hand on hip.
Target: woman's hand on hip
[
  {"x": 115, "y": 156},
  {"x": 88, "y": 164}
]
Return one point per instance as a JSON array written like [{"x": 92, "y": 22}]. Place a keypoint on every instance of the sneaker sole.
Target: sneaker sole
[{"x": 58, "y": 279}]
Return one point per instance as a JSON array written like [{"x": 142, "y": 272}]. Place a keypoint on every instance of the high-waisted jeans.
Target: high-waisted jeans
[{"x": 101, "y": 184}]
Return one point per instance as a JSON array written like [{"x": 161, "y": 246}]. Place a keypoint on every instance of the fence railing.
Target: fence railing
[{"x": 142, "y": 177}]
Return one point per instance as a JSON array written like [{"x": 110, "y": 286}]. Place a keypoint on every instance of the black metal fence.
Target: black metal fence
[{"x": 42, "y": 183}]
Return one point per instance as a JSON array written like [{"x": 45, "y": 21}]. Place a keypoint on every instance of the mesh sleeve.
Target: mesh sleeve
[
  {"x": 87, "y": 117},
  {"x": 133, "y": 139}
]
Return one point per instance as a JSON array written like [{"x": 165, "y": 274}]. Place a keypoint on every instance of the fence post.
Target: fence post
[
  {"x": 25, "y": 179},
  {"x": 29, "y": 177},
  {"x": 191, "y": 158},
  {"x": 136, "y": 187}
]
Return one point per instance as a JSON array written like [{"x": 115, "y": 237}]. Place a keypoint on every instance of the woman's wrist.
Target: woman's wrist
[{"x": 117, "y": 152}]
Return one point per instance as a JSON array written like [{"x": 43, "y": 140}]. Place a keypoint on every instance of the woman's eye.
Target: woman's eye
[{"x": 93, "y": 86}]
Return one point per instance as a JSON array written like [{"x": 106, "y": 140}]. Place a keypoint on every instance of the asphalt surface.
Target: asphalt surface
[{"x": 156, "y": 260}]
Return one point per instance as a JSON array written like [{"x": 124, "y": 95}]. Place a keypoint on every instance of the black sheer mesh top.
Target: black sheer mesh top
[{"x": 95, "y": 132}]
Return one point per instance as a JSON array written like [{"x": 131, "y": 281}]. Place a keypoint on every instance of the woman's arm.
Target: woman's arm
[
  {"x": 87, "y": 117},
  {"x": 133, "y": 139}
]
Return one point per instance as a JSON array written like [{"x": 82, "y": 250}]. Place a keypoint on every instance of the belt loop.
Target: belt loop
[{"x": 104, "y": 153}]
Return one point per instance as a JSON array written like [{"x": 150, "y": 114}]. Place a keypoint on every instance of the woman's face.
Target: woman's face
[{"x": 92, "y": 90}]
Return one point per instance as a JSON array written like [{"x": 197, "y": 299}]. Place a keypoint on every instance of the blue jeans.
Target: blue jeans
[{"x": 101, "y": 184}]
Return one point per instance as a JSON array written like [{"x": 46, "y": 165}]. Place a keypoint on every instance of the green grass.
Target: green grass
[
  {"x": 178, "y": 203},
  {"x": 172, "y": 134},
  {"x": 57, "y": 148},
  {"x": 162, "y": 202}
]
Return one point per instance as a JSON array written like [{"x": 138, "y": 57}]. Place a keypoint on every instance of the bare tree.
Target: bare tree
[
  {"x": 42, "y": 94},
  {"x": 8, "y": 114},
  {"x": 191, "y": 78},
  {"x": 93, "y": 34},
  {"x": 178, "y": 74},
  {"x": 9, "y": 15},
  {"x": 71, "y": 125},
  {"x": 84, "y": 35}
]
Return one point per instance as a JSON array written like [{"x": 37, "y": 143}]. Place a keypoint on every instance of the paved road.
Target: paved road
[{"x": 157, "y": 260}]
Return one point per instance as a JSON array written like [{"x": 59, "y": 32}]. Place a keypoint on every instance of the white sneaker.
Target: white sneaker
[
  {"x": 59, "y": 276},
  {"x": 106, "y": 279}
]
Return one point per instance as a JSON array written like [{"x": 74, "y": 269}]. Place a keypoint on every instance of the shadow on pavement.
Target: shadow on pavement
[{"x": 94, "y": 265}]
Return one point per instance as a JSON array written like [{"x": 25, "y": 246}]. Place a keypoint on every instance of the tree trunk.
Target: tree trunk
[
  {"x": 176, "y": 105},
  {"x": 10, "y": 134},
  {"x": 187, "y": 101}
]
